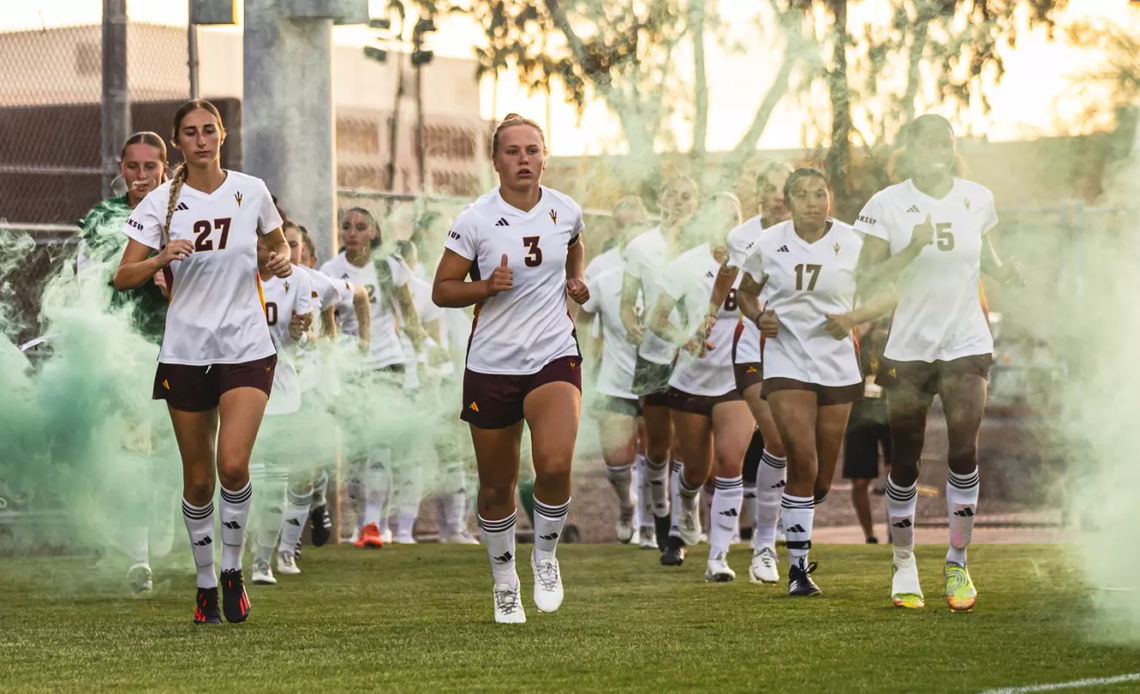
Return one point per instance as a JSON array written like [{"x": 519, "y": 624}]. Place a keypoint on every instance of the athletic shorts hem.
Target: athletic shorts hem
[
  {"x": 629, "y": 407},
  {"x": 926, "y": 376},
  {"x": 699, "y": 404},
  {"x": 496, "y": 401},
  {"x": 825, "y": 395}
]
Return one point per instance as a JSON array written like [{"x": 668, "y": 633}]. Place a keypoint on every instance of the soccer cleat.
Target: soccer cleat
[
  {"x": 764, "y": 567},
  {"x": 661, "y": 531},
  {"x": 370, "y": 537},
  {"x": 800, "y": 583},
  {"x": 690, "y": 527},
  {"x": 547, "y": 583},
  {"x": 647, "y": 537},
  {"x": 459, "y": 538},
  {"x": 624, "y": 527},
  {"x": 905, "y": 589},
  {"x": 403, "y": 540},
  {"x": 674, "y": 554},
  {"x": 206, "y": 611},
  {"x": 321, "y": 525},
  {"x": 386, "y": 535},
  {"x": 508, "y": 604},
  {"x": 261, "y": 574},
  {"x": 139, "y": 578},
  {"x": 235, "y": 603},
  {"x": 718, "y": 571},
  {"x": 287, "y": 564},
  {"x": 960, "y": 591}
]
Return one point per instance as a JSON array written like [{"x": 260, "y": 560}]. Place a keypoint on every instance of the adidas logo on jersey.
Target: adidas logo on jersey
[
  {"x": 904, "y": 523},
  {"x": 182, "y": 207},
  {"x": 710, "y": 275},
  {"x": 797, "y": 528},
  {"x": 783, "y": 249},
  {"x": 751, "y": 370},
  {"x": 473, "y": 407},
  {"x": 731, "y": 513},
  {"x": 502, "y": 223},
  {"x": 913, "y": 210},
  {"x": 504, "y": 557}
]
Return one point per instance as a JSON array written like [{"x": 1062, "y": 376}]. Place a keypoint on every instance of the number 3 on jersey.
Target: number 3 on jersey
[
  {"x": 813, "y": 270},
  {"x": 203, "y": 229},
  {"x": 534, "y": 257}
]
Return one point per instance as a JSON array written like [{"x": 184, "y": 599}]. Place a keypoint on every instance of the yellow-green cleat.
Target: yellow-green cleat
[
  {"x": 960, "y": 591},
  {"x": 905, "y": 589}
]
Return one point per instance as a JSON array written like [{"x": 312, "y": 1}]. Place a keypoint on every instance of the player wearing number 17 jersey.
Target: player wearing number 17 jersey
[
  {"x": 521, "y": 246},
  {"x": 930, "y": 236}
]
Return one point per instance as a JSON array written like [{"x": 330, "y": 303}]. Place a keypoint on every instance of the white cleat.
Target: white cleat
[
  {"x": 139, "y": 578},
  {"x": 263, "y": 575},
  {"x": 690, "y": 527},
  {"x": 287, "y": 564},
  {"x": 402, "y": 540},
  {"x": 386, "y": 536},
  {"x": 547, "y": 583},
  {"x": 764, "y": 567},
  {"x": 905, "y": 589},
  {"x": 647, "y": 537},
  {"x": 458, "y": 539},
  {"x": 508, "y": 604},
  {"x": 624, "y": 528},
  {"x": 718, "y": 571}
]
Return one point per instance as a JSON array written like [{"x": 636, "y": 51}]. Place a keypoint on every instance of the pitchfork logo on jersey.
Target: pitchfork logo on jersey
[
  {"x": 286, "y": 287},
  {"x": 237, "y": 196},
  {"x": 966, "y": 202},
  {"x": 554, "y": 216},
  {"x": 837, "y": 250}
]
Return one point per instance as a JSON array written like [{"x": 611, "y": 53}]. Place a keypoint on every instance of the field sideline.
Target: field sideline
[{"x": 419, "y": 619}]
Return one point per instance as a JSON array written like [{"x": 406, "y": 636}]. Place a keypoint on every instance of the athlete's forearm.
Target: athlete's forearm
[
  {"x": 328, "y": 322},
  {"x": 880, "y": 305},
  {"x": 459, "y": 293},
  {"x": 135, "y": 275},
  {"x": 723, "y": 285},
  {"x": 363, "y": 309},
  {"x": 576, "y": 260},
  {"x": 630, "y": 287},
  {"x": 661, "y": 326},
  {"x": 878, "y": 274}
]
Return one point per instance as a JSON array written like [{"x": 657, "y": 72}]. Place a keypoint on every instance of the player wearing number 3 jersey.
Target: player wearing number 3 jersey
[
  {"x": 217, "y": 358},
  {"x": 521, "y": 246},
  {"x": 929, "y": 236}
]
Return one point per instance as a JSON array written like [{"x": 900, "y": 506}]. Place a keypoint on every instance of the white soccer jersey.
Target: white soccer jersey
[
  {"x": 602, "y": 262},
  {"x": 215, "y": 315},
  {"x": 427, "y": 312},
  {"x": 740, "y": 242},
  {"x": 522, "y": 330},
  {"x": 644, "y": 259},
  {"x": 326, "y": 290},
  {"x": 615, "y": 378},
  {"x": 806, "y": 282},
  {"x": 940, "y": 315},
  {"x": 384, "y": 339},
  {"x": 691, "y": 278},
  {"x": 285, "y": 297}
]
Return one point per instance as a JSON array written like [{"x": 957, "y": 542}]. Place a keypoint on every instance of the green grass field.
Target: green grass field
[{"x": 419, "y": 619}]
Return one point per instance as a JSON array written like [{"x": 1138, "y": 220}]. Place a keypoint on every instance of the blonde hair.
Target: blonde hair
[
  {"x": 179, "y": 175},
  {"x": 176, "y": 182},
  {"x": 511, "y": 120}
]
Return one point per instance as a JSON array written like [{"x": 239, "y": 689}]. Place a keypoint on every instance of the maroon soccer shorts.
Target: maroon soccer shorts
[
  {"x": 495, "y": 401},
  {"x": 199, "y": 388}
]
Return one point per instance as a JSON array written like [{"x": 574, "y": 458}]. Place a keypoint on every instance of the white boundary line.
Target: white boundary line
[{"x": 1076, "y": 684}]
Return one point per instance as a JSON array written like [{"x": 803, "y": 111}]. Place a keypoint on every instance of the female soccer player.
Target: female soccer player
[
  {"x": 765, "y": 465},
  {"x": 521, "y": 246},
  {"x": 929, "y": 235},
  {"x": 216, "y": 362},
  {"x": 713, "y": 423},
  {"x": 644, "y": 259},
  {"x": 386, "y": 279},
  {"x": 806, "y": 269}
]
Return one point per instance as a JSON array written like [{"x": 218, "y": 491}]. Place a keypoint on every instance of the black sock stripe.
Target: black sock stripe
[
  {"x": 792, "y": 544},
  {"x": 734, "y": 483},
  {"x": 676, "y": 466},
  {"x": 238, "y": 497},
  {"x": 497, "y": 526},
  {"x": 300, "y": 499},
  {"x": 773, "y": 462},
  {"x": 194, "y": 513},
  {"x": 967, "y": 483},
  {"x": 686, "y": 488},
  {"x": 901, "y": 493},
  {"x": 794, "y": 505},
  {"x": 551, "y": 511}
]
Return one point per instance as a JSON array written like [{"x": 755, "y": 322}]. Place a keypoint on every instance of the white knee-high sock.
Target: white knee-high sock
[
  {"x": 271, "y": 500},
  {"x": 962, "y": 507},
  {"x": 234, "y": 511},
  {"x": 200, "y": 526},
  {"x": 799, "y": 514},
  {"x": 770, "y": 480},
  {"x": 548, "y": 522},
  {"x": 376, "y": 480},
  {"x": 901, "y": 503},
  {"x": 454, "y": 507},
  {"x": 656, "y": 476},
  {"x": 499, "y": 538},
  {"x": 293, "y": 523},
  {"x": 725, "y": 513}
]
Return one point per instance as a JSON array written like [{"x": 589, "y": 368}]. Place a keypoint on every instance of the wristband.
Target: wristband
[{"x": 756, "y": 320}]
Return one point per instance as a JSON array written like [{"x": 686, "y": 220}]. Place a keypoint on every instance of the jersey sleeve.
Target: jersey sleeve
[
  {"x": 345, "y": 294},
  {"x": 738, "y": 248},
  {"x": 870, "y": 220},
  {"x": 989, "y": 215},
  {"x": 633, "y": 259},
  {"x": 268, "y": 218},
  {"x": 144, "y": 224},
  {"x": 579, "y": 224},
  {"x": 681, "y": 279},
  {"x": 594, "y": 302},
  {"x": 753, "y": 264},
  {"x": 463, "y": 238},
  {"x": 305, "y": 303}
]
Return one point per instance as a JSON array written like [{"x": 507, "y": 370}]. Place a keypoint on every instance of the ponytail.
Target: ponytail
[{"x": 176, "y": 181}]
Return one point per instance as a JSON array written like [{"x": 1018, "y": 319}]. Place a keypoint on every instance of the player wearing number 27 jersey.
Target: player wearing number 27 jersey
[{"x": 520, "y": 331}]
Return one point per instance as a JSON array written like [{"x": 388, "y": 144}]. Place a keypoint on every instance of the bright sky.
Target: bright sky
[{"x": 1031, "y": 101}]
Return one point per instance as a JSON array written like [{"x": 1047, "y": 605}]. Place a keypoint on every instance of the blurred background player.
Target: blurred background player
[
  {"x": 523, "y": 360},
  {"x": 713, "y": 423},
  {"x": 289, "y": 309},
  {"x": 643, "y": 260},
  {"x": 216, "y": 362},
  {"x": 143, "y": 167},
  {"x": 929, "y": 235},
  {"x": 386, "y": 279},
  {"x": 806, "y": 267},
  {"x": 867, "y": 429},
  {"x": 765, "y": 462}
]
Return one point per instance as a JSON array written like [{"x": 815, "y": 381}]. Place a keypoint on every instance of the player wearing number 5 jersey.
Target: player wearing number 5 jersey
[
  {"x": 521, "y": 246},
  {"x": 806, "y": 268},
  {"x": 929, "y": 236},
  {"x": 217, "y": 359}
]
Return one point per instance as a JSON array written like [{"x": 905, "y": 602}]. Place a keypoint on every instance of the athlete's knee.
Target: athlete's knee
[
  {"x": 859, "y": 488},
  {"x": 233, "y": 474},
  {"x": 552, "y": 478},
  {"x": 963, "y": 459},
  {"x": 498, "y": 494},
  {"x": 198, "y": 492}
]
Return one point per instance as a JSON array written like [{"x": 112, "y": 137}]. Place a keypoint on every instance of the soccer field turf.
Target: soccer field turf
[{"x": 419, "y": 619}]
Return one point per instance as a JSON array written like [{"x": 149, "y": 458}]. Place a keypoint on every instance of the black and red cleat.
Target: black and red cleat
[
  {"x": 322, "y": 525},
  {"x": 235, "y": 603},
  {"x": 206, "y": 611}
]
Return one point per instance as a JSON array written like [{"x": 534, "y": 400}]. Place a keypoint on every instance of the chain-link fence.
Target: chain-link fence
[{"x": 50, "y": 111}]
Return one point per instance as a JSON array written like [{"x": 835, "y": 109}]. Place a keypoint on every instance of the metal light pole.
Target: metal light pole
[{"x": 116, "y": 105}]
